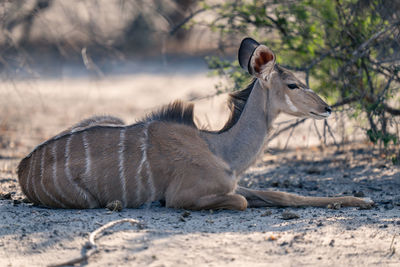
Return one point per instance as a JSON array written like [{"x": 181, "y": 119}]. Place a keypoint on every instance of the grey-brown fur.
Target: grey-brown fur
[
  {"x": 236, "y": 103},
  {"x": 166, "y": 157}
]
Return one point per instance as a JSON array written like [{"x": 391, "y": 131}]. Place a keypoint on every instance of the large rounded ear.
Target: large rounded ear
[
  {"x": 246, "y": 50},
  {"x": 257, "y": 59}
]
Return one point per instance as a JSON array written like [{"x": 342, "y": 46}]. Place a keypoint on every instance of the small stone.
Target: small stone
[
  {"x": 382, "y": 166},
  {"x": 5, "y": 196},
  {"x": 275, "y": 184},
  {"x": 141, "y": 226},
  {"x": 314, "y": 170},
  {"x": 287, "y": 215},
  {"x": 266, "y": 213},
  {"x": 286, "y": 183},
  {"x": 186, "y": 214},
  {"x": 271, "y": 238},
  {"x": 388, "y": 206},
  {"x": 332, "y": 243},
  {"x": 396, "y": 201},
  {"x": 359, "y": 194}
]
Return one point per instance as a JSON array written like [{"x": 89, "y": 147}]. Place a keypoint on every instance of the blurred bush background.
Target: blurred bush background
[
  {"x": 40, "y": 32},
  {"x": 346, "y": 50}
]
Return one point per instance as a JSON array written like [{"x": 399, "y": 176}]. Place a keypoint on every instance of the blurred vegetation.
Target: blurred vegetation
[
  {"x": 92, "y": 32},
  {"x": 348, "y": 50}
]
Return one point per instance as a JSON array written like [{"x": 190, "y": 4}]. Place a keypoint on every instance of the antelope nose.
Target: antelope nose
[{"x": 328, "y": 109}]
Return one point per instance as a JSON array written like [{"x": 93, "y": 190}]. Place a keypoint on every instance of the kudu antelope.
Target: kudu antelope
[{"x": 166, "y": 157}]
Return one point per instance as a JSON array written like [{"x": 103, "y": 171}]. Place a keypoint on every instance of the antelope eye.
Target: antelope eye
[{"x": 292, "y": 86}]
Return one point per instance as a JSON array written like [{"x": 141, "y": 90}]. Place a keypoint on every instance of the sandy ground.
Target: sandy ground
[{"x": 32, "y": 111}]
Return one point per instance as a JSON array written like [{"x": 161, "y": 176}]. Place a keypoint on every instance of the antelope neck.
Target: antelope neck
[{"x": 244, "y": 141}]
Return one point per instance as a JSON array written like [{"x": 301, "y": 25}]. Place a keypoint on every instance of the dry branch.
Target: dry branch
[
  {"x": 90, "y": 247},
  {"x": 392, "y": 111},
  {"x": 188, "y": 18},
  {"x": 293, "y": 125}
]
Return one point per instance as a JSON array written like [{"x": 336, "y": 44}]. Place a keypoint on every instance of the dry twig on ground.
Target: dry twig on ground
[{"x": 90, "y": 247}]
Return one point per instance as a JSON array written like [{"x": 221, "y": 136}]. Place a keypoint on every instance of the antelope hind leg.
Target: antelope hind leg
[
  {"x": 229, "y": 201},
  {"x": 258, "y": 198}
]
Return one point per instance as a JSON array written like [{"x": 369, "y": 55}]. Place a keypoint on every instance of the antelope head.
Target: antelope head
[{"x": 287, "y": 93}]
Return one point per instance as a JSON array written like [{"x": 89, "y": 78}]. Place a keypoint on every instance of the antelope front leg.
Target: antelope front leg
[{"x": 258, "y": 198}]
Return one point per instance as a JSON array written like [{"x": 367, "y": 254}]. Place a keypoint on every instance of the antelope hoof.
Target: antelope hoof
[
  {"x": 115, "y": 205},
  {"x": 366, "y": 203}
]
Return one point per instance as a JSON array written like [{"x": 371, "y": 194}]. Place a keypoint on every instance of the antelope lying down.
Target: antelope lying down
[{"x": 166, "y": 157}]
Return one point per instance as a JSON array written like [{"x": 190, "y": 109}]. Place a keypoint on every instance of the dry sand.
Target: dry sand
[{"x": 32, "y": 111}]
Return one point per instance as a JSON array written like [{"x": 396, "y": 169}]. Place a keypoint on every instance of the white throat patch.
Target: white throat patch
[{"x": 290, "y": 103}]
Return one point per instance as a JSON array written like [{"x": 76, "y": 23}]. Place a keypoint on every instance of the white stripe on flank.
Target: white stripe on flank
[
  {"x": 32, "y": 167},
  {"x": 42, "y": 177},
  {"x": 290, "y": 103},
  {"x": 139, "y": 185},
  {"x": 34, "y": 183},
  {"x": 88, "y": 161},
  {"x": 68, "y": 172},
  {"x": 121, "y": 162},
  {"x": 28, "y": 178},
  {"x": 150, "y": 181},
  {"x": 143, "y": 148},
  {"x": 55, "y": 177}
]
